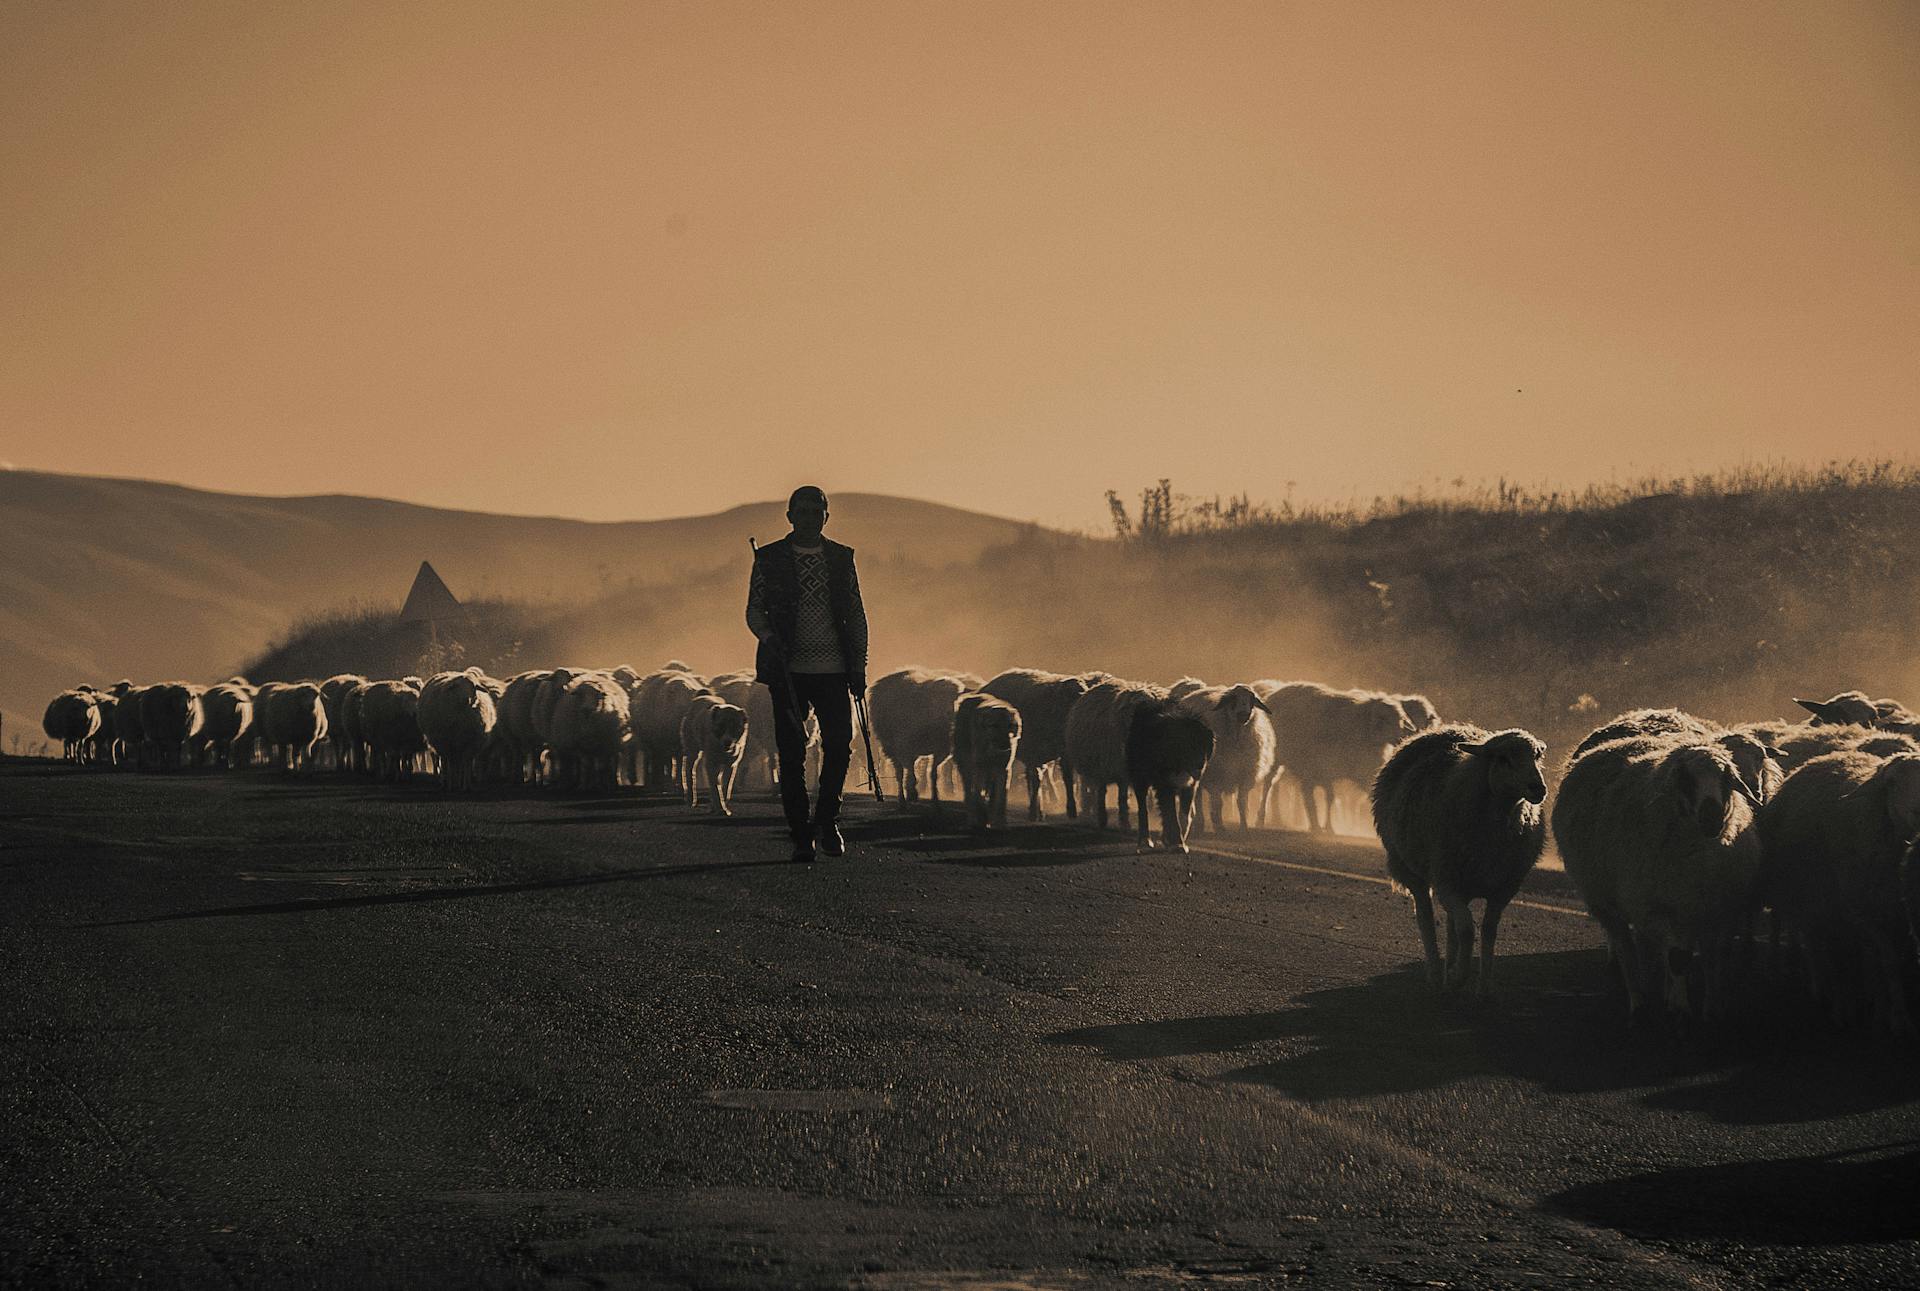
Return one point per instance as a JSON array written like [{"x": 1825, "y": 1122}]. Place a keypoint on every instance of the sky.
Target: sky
[{"x": 635, "y": 259}]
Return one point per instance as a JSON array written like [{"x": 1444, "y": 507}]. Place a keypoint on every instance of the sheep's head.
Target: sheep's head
[
  {"x": 1703, "y": 781},
  {"x": 1848, "y": 708},
  {"x": 1513, "y": 760},
  {"x": 1238, "y": 704},
  {"x": 995, "y": 727},
  {"x": 1900, "y": 779},
  {"x": 1385, "y": 720},
  {"x": 729, "y": 723},
  {"x": 1420, "y": 711},
  {"x": 1758, "y": 770}
]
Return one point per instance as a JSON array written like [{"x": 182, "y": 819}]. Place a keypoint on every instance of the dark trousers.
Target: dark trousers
[{"x": 825, "y": 695}]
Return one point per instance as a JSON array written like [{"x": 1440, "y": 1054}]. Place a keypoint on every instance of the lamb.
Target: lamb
[
  {"x": 457, "y": 716},
  {"x": 1835, "y": 838},
  {"x": 1243, "y": 743},
  {"x": 586, "y": 731},
  {"x": 986, "y": 733},
  {"x": 390, "y": 722},
  {"x": 1458, "y": 812},
  {"x": 1167, "y": 751},
  {"x": 1098, "y": 726},
  {"x": 1658, "y": 834},
  {"x": 228, "y": 712},
  {"x": 912, "y": 715},
  {"x": 713, "y": 735},
  {"x": 1324, "y": 736},
  {"x": 1043, "y": 699},
  {"x": 171, "y": 718},
  {"x": 659, "y": 705},
  {"x": 73, "y": 718}
]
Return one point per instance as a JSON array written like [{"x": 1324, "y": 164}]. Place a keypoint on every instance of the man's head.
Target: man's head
[{"x": 807, "y": 512}]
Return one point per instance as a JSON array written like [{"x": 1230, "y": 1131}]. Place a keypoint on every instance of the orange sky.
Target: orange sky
[{"x": 641, "y": 259}]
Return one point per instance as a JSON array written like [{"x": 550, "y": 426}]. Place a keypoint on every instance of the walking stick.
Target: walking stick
[{"x": 873, "y": 779}]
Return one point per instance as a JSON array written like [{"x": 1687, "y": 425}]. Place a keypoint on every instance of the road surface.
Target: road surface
[{"x": 262, "y": 1031}]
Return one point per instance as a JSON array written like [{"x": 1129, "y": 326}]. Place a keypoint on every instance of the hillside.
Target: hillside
[
  {"x": 1729, "y": 595},
  {"x": 107, "y": 578}
]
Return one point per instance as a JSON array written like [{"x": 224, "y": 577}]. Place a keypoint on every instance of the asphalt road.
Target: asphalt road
[{"x": 305, "y": 1032}]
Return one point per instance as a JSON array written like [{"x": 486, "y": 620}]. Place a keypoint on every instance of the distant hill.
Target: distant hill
[{"x": 106, "y": 578}]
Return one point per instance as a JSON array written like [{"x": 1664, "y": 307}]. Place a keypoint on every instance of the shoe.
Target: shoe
[
  {"x": 832, "y": 841},
  {"x": 803, "y": 851}
]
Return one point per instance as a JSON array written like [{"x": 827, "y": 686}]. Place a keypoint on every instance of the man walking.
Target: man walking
[{"x": 803, "y": 605}]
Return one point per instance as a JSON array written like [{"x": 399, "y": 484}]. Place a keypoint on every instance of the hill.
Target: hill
[{"x": 106, "y": 578}]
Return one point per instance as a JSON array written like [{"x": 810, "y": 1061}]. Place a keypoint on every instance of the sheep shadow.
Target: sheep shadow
[
  {"x": 1860, "y": 1195},
  {"x": 1550, "y": 1022}
]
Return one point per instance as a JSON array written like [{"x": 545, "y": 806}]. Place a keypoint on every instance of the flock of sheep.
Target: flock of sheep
[{"x": 1679, "y": 833}]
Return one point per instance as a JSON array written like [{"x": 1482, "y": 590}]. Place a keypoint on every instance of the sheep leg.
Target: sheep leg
[
  {"x": 1625, "y": 952},
  {"x": 1888, "y": 964},
  {"x": 1429, "y": 940},
  {"x": 1033, "y": 795},
  {"x": 1066, "y": 787},
  {"x": 1098, "y": 798},
  {"x": 1145, "y": 843},
  {"x": 1186, "y": 817},
  {"x": 1459, "y": 938},
  {"x": 1123, "y": 811},
  {"x": 1240, "y": 800},
  {"x": 1489, "y": 929},
  {"x": 1313, "y": 818}
]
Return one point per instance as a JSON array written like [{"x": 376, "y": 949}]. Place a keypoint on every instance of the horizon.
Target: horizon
[{"x": 639, "y": 262}]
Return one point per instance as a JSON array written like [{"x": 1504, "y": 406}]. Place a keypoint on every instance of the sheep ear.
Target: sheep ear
[
  {"x": 1478, "y": 750},
  {"x": 1261, "y": 704},
  {"x": 1816, "y": 707}
]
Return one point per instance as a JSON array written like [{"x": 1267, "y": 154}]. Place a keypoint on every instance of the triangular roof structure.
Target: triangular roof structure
[{"x": 429, "y": 599}]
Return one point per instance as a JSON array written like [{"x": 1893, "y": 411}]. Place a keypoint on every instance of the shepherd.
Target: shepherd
[{"x": 803, "y": 604}]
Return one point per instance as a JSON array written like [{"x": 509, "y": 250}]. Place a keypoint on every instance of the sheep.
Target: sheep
[
  {"x": 1420, "y": 711},
  {"x": 1848, "y": 708},
  {"x": 1835, "y": 837},
  {"x": 1243, "y": 743},
  {"x": 1647, "y": 722},
  {"x": 659, "y": 704},
  {"x": 1658, "y": 834},
  {"x": 99, "y": 747},
  {"x": 986, "y": 734},
  {"x": 548, "y": 695},
  {"x": 228, "y": 711},
  {"x": 1323, "y": 736},
  {"x": 1043, "y": 699},
  {"x": 1167, "y": 751},
  {"x": 1802, "y": 744},
  {"x": 586, "y": 730},
  {"x": 73, "y": 718},
  {"x": 126, "y": 725},
  {"x": 1896, "y": 718},
  {"x": 516, "y": 724},
  {"x": 911, "y": 711},
  {"x": 1098, "y": 725},
  {"x": 171, "y": 718},
  {"x": 713, "y": 735},
  {"x": 457, "y": 716},
  {"x": 333, "y": 694},
  {"x": 1458, "y": 812},
  {"x": 1184, "y": 687},
  {"x": 390, "y": 723},
  {"x": 294, "y": 723}
]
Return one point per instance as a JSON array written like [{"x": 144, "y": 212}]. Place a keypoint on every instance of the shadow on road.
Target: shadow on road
[
  {"x": 1864, "y": 1195},
  {"x": 1553, "y": 1023},
  {"x": 440, "y": 894}
]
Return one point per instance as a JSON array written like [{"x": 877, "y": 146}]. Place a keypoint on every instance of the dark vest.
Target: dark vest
[{"x": 782, "y": 581}]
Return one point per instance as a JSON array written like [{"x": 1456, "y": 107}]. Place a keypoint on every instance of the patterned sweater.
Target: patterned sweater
[{"x": 816, "y": 646}]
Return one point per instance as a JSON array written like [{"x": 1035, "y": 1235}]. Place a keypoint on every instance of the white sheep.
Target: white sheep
[
  {"x": 1243, "y": 748},
  {"x": 986, "y": 735},
  {"x": 1836, "y": 835},
  {"x": 1658, "y": 835},
  {"x": 1043, "y": 699},
  {"x": 1324, "y": 737},
  {"x": 587, "y": 728},
  {"x": 126, "y": 724},
  {"x": 659, "y": 704},
  {"x": 73, "y": 718},
  {"x": 457, "y": 716},
  {"x": 228, "y": 711},
  {"x": 1097, "y": 729},
  {"x": 911, "y": 711},
  {"x": 333, "y": 697},
  {"x": 713, "y": 736},
  {"x": 1458, "y": 812},
  {"x": 525, "y": 739}
]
